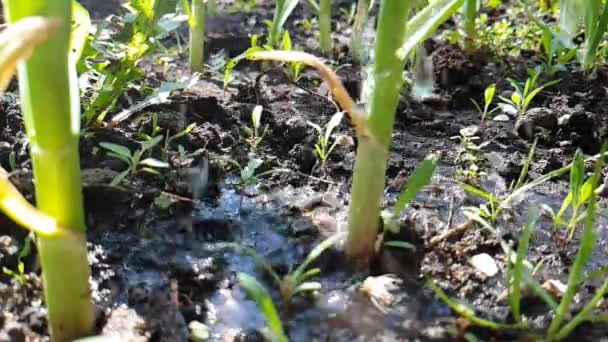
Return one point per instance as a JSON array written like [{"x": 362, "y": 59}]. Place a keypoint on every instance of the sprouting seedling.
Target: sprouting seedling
[
  {"x": 154, "y": 131},
  {"x": 488, "y": 96},
  {"x": 578, "y": 195},
  {"x": 296, "y": 281},
  {"x": 323, "y": 146},
  {"x": 170, "y": 139},
  {"x": 262, "y": 298},
  {"x": 256, "y": 135},
  {"x": 134, "y": 160},
  {"x": 522, "y": 97},
  {"x": 294, "y": 69},
  {"x": 25, "y": 252}
]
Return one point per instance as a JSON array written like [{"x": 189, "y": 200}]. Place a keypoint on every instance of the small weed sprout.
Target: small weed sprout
[
  {"x": 578, "y": 195},
  {"x": 19, "y": 276},
  {"x": 296, "y": 281},
  {"x": 522, "y": 97},
  {"x": 256, "y": 135},
  {"x": 488, "y": 96},
  {"x": 294, "y": 69},
  {"x": 323, "y": 146},
  {"x": 134, "y": 160},
  {"x": 468, "y": 151}
]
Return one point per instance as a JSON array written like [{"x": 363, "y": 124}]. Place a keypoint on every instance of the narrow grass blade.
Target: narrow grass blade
[
  {"x": 518, "y": 269},
  {"x": 420, "y": 178},
  {"x": 262, "y": 298},
  {"x": 468, "y": 313}
]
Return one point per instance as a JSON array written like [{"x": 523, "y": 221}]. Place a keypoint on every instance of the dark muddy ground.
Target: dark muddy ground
[{"x": 162, "y": 260}]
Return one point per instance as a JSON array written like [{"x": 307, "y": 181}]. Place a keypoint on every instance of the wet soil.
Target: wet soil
[{"x": 162, "y": 248}]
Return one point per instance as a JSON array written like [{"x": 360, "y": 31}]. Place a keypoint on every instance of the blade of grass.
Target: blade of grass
[
  {"x": 262, "y": 298},
  {"x": 585, "y": 249},
  {"x": 518, "y": 269}
]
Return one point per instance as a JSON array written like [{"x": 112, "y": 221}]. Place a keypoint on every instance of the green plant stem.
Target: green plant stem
[
  {"x": 470, "y": 14},
  {"x": 212, "y": 7},
  {"x": 197, "y": 35},
  {"x": 595, "y": 37},
  {"x": 325, "y": 27},
  {"x": 358, "y": 25},
  {"x": 50, "y": 104},
  {"x": 372, "y": 152},
  {"x": 275, "y": 27}
]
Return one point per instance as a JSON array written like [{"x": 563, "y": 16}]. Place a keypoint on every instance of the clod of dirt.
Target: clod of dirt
[
  {"x": 585, "y": 130},
  {"x": 535, "y": 120}
]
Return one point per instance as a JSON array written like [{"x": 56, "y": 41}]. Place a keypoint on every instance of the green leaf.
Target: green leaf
[
  {"x": 146, "y": 145},
  {"x": 426, "y": 21},
  {"x": 518, "y": 268},
  {"x": 489, "y": 95},
  {"x": 120, "y": 177},
  {"x": 262, "y": 298},
  {"x": 118, "y": 149},
  {"x": 315, "y": 253},
  {"x": 577, "y": 174},
  {"x": 421, "y": 176},
  {"x": 401, "y": 244},
  {"x": 333, "y": 123},
  {"x": 288, "y": 7},
  {"x": 81, "y": 28},
  {"x": 286, "y": 43}
]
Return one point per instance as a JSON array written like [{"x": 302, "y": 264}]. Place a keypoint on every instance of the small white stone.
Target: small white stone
[
  {"x": 485, "y": 264},
  {"x": 502, "y": 118}
]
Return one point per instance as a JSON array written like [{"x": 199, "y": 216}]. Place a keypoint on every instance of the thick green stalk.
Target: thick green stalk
[
  {"x": 51, "y": 109},
  {"x": 470, "y": 14},
  {"x": 358, "y": 26},
  {"x": 372, "y": 152},
  {"x": 197, "y": 35},
  {"x": 325, "y": 27}
]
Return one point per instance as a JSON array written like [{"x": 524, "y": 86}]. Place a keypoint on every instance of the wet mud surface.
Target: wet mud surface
[{"x": 163, "y": 253}]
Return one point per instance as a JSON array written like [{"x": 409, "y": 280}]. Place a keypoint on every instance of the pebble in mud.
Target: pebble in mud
[{"x": 528, "y": 124}]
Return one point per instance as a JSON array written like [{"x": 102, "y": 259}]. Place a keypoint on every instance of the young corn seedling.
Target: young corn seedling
[
  {"x": 282, "y": 11},
  {"x": 297, "y": 281},
  {"x": 522, "y": 97},
  {"x": 256, "y": 133},
  {"x": 134, "y": 161},
  {"x": 374, "y": 129},
  {"x": 196, "y": 23},
  {"x": 488, "y": 96},
  {"x": 52, "y": 125},
  {"x": 323, "y": 146}
]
